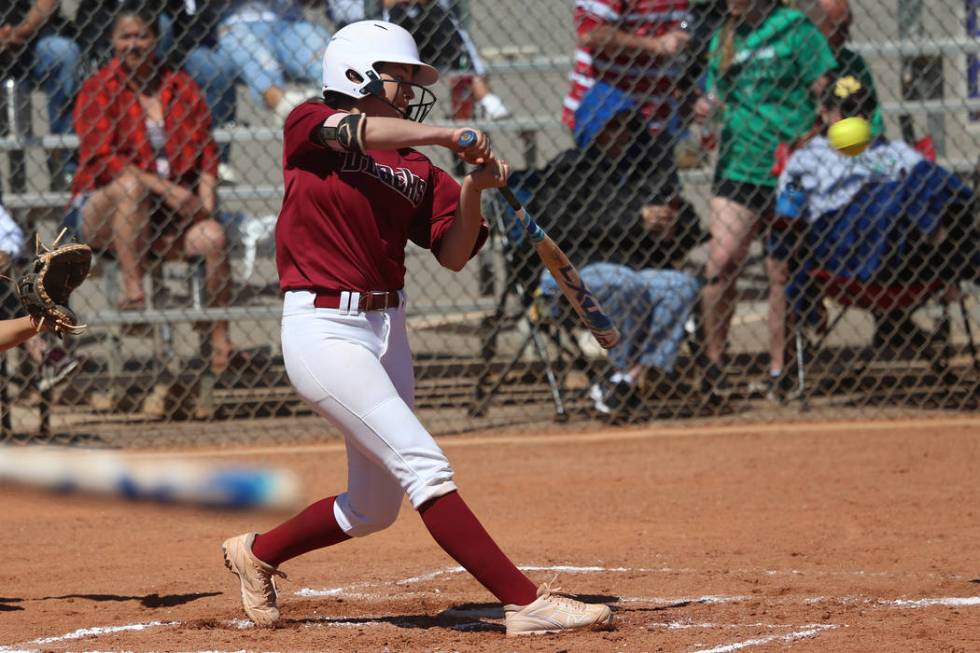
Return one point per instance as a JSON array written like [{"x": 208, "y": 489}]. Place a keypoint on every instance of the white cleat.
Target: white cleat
[
  {"x": 553, "y": 613},
  {"x": 257, "y": 579}
]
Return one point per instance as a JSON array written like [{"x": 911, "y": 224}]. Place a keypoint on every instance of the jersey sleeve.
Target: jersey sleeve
[
  {"x": 299, "y": 125},
  {"x": 815, "y": 55},
  {"x": 437, "y": 214}
]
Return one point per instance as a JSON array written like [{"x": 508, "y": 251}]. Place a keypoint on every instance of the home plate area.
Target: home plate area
[{"x": 383, "y": 614}]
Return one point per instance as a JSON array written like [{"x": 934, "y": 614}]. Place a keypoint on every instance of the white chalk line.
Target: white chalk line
[
  {"x": 350, "y": 591},
  {"x": 953, "y": 602},
  {"x": 806, "y": 633},
  {"x": 688, "y": 625},
  {"x": 353, "y": 590},
  {"x": 707, "y": 599},
  {"x": 94, "y": 631}
]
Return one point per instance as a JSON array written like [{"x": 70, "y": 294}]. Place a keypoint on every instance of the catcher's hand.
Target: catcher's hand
[{"x": 55, "y": 273}]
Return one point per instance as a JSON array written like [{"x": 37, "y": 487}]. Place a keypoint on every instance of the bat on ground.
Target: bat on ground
[{"x": 569, "y": 281}]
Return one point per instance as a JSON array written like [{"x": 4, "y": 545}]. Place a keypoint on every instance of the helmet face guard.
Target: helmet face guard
[{"x": 416, "y": 110}]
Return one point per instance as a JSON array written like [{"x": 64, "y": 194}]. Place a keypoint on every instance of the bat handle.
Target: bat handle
[
  {"x": 468, "y": 138},
  {"x": 511, "y": 198}
]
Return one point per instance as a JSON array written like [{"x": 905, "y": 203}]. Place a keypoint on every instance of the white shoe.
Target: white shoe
[
  {"x": 290, "y": 100},
  {"x": 259, "y": 596},
  {"x": 227, "y": 175},
  {"x": 552, "y": 613},
  {"x": 597, "y": 394},
  {"x": 494, "y": 108}
]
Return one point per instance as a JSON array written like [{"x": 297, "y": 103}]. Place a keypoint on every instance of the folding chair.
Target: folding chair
[
  {"x": 522, "y": 271},
  {"x": 897, "y": 246}
]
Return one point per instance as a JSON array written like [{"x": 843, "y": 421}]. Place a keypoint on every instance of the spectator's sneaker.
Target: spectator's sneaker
[
  {"x": 290, "y": 100},
  {"x": 597, "y": 394},
  {"x": 779, "y": 388},
  {"x": 623, "y": 400},
  {"x": 258, "y": 585},
  {"x": 493, "y": 108},
  {"x": 714, "y": 382},
  {"x": 57, "y": 365},
  {"x": 552, "y": 613},
  {"x": 227, "y": 175}
]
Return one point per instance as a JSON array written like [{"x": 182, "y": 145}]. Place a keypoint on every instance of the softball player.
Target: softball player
[{"x": 356, "y": 192}]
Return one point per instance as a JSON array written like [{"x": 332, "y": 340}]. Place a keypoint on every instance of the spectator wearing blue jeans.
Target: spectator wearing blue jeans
[
  {"x": 649, "y": 306},
  {"x": 52, "y": 62},
  {"x": 262, "y": 42},
  {"x": 605, "y": 206}
]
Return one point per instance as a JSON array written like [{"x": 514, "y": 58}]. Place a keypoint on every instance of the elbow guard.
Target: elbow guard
[{"x": 341, "y": 132}]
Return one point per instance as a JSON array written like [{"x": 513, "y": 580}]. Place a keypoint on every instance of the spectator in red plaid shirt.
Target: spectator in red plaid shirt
[{"x": 148, "y": 168}]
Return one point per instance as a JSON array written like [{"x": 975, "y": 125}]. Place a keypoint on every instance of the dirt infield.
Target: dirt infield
[{"x": 835, "y": 537}]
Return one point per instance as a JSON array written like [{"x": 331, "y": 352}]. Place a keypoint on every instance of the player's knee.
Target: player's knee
[
  {"x": 372, "y": 524},
  {"x": 364, "y": 520}
]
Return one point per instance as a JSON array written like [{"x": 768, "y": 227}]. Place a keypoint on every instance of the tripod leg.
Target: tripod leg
[
  {"x": 479, "y": 408},
  {"x": 969, "y": 335},
  {"x": 560, "y": 414},
  {"x": 5, "y": 422}
]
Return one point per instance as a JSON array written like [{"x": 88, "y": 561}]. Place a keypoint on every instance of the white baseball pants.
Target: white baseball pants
[{"x": 355, "y": 369}]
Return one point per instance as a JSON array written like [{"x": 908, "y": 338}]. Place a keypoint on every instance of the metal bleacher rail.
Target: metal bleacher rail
[
  {"x": 510, "y": 61},
  {"x": 507, "y": 60}
]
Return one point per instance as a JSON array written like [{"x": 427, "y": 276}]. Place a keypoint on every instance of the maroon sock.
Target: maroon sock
[
  {"x": 314, "y": 528},
  {"x": 460, "y": 534}
]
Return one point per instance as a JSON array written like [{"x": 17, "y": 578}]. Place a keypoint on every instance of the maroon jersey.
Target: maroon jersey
[{"x": 346, "y": 218}]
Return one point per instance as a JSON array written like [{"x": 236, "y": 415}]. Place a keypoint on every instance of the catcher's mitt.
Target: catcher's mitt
[{"x": 45, "y": 290}]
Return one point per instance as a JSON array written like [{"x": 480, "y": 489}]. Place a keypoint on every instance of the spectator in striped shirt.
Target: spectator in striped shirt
[{"x": 635, "y": 46}]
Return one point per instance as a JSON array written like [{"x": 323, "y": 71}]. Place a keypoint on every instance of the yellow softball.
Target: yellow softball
[{"x": 850, "y": 136}]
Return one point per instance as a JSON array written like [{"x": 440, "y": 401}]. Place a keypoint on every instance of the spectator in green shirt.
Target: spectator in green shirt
[
  {"x": 834, "y": 18},
  {"x": 766, "y": 65}
]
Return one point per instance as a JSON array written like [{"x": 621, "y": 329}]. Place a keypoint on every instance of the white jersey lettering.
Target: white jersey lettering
[{"x": 401, "y": 180}]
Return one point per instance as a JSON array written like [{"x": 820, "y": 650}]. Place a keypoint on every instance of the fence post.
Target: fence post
[{"x": 922, "y": 76}]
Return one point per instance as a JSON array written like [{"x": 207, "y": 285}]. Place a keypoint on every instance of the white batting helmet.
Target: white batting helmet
[{"x": 350, "y": 57}]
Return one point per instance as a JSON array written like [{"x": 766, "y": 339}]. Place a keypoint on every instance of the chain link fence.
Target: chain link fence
[{"x": 676, "y": 150}]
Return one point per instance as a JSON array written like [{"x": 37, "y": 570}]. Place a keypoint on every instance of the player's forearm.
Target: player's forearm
[
  {"x": 608, "y": 39},
  {"x": 394, "y": 133},
  {"x": 15, "y": 332},
  {"x": 459, "y": 239}
]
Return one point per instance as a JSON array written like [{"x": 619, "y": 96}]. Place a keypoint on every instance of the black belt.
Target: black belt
[{"x": 374, "y": 300}]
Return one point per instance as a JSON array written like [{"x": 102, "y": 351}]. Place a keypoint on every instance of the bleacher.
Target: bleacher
[{"x": 514, "y": 68}]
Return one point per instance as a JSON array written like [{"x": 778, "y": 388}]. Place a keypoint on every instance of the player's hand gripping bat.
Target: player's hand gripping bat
[{"x": 561, "y": 268}]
